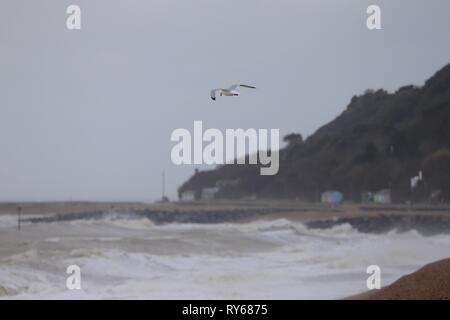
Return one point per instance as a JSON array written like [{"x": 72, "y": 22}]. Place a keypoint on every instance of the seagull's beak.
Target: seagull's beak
[{"x": 213, "y": 98}]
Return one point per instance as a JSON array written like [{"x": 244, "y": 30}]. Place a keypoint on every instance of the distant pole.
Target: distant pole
[
  {"x": 163, "y": 183},
  {"x": 19, "y": 211}
]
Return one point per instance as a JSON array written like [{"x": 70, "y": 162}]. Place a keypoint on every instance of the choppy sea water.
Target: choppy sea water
[{"x": 124, "y": 257}]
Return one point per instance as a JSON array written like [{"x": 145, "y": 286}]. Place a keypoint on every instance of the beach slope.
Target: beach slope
[{"x": 431, "y": 282}]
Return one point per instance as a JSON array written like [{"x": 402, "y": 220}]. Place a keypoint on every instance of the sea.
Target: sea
[{"x": 125, "y": 256}]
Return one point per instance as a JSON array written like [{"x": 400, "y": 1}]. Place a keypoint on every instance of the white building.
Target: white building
[
  {"x": 188, "y": 195},
  {"x": 209, "y": 193},
  {"x": 382, "y": 196}
]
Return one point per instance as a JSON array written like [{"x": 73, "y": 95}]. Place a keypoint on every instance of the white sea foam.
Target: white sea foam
[{"x": 122, "y": 258}]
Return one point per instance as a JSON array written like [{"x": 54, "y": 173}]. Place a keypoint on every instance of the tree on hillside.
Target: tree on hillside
[
  {"x": 436, "y": 170},
  {"x": 293, "y": 138}
]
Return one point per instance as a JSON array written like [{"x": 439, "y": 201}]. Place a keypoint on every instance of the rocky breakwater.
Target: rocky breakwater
[
  {"x": 158, "y": 216},
  {"x": 424, "y": 224}
]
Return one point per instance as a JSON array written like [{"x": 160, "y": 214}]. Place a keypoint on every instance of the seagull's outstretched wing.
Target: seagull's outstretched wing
[
  {"x": 247, "y": 86},
  {"x": 235, "y": 86},
  {"x": 213, "y": 93}
]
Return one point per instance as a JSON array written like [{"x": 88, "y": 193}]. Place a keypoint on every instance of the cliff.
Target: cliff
[{"x": 379, "y": 141}]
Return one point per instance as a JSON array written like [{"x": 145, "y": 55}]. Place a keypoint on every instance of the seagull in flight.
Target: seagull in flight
[{"x": 229, "y": 92}]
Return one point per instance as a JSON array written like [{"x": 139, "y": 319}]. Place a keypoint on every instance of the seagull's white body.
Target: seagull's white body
[{"x": 228, "y": 92}]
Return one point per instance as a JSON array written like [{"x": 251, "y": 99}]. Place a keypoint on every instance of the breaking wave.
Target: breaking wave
[{"x": 126, "y": 256}]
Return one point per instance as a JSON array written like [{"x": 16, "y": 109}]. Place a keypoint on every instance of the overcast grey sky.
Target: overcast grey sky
[{"x": 87, "y": 115}]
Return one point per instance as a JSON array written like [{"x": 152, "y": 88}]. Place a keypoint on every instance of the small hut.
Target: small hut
[{"x": 332, "y": 197}]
